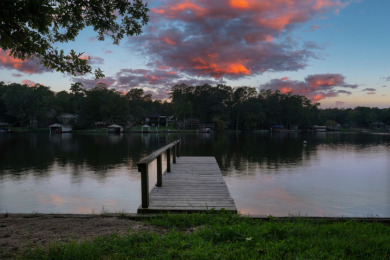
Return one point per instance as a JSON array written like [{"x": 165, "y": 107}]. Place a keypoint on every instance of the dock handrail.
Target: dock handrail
[{"x": 143, "y": 168}]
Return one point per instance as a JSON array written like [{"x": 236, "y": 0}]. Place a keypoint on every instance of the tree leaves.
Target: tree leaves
[{"x": 31, "y": 28}]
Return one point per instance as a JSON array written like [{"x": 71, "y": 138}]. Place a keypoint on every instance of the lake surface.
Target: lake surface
[{"x": 333, "y": 174}]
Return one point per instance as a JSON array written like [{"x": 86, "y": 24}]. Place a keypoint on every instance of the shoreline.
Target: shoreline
[
  {"x": 136, "y": 216},
  {"x": 191, "y": 131}
]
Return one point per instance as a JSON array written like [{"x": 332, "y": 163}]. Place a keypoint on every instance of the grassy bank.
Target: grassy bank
[{"x": 226, "y": 236}]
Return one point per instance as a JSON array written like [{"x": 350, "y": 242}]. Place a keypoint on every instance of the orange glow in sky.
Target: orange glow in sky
[
  {"x": 199, "y": 11},
  {"x": 318, "y": 97},
  {"x": 285, "y": 90},
  {"x": 16, "y": 63},
  {"x": 243, "y": 4},
  {"x": 217, "y": 70},
  {"x": 169, "y": 41}
]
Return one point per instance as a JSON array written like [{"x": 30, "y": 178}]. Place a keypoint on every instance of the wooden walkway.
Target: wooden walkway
[{"x": 194, "y": 184}]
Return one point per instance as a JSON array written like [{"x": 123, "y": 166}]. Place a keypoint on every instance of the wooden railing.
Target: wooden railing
[{"x": 144, "y": 163}]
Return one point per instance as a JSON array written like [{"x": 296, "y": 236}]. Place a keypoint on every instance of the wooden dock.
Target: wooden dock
[{"x": 193, "y": 184}]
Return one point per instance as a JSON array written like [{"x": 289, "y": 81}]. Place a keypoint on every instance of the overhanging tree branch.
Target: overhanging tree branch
[{"x": 30, "y": 28}]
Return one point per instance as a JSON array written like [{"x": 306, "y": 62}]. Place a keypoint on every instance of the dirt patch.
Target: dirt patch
[{"x": 20, "y": 232}]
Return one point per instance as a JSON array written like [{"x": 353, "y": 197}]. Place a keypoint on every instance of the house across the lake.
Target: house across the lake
[
  {"x": 277, "y": 128},
  {"x": 58, "y": 128},
  {"x": 101, "y": 124},
  {"x": 115, "y": 129},
  {"x": 4, "y": 127},
  {"x": 157, "y": 120},
  {"x": 319, "y": 128}
]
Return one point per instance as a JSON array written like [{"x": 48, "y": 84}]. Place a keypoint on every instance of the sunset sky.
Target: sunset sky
[{"x": 336, "y": 53}]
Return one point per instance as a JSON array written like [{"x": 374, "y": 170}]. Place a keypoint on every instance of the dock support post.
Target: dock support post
[
  {"x": 178, "y": 149},
  {"x": 144, "y": 184},
  {"x": 159, "y": 171},
  {"x": 169, "y": 160},
  {"x": 174, "y": 153}
]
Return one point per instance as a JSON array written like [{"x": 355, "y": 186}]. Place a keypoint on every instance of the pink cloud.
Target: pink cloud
[
  {"x": 315, "y": 27},
  {"x": 108, "y": 52},
  {"x": 28, "y": 82},
  {"x": 26, "y": 66},
  {"x": 232, "y": 39},
  {"x": 169, "y": 41},
  {"x": 315, "y": 87},
  {"x": 325, "y": 80},
  {"x": 91, "y": 39}
]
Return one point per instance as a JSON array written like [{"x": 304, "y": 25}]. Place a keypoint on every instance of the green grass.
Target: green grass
[{"x": 227, "y": 236}]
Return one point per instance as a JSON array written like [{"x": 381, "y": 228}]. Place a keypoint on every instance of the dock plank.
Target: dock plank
[{"x": 194, "y": 184}]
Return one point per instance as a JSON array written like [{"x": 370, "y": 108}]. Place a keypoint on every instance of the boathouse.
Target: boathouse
[
  {"x": 117, "y": 129},
  {"x": 57, "y": 128}
]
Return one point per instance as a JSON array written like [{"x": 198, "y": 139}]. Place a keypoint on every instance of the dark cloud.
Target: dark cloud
[
  {"x": 27, "y": 66},
  {"x": 230, "y": 39},
  {"x": 369, "y": 89},
  {"x": 159, "y": 82},
  {"x": 96, "y": 60},
  {"x": 371, "y": 93},
  {"x": 314, "y": 87},
  {"x": 129, "y": 78},
  {"x": 344, "y": 92},
  {"x": 92, "y": 60},
  {"x": 91, "y": 83},
  {"x": 156, "y": 82},
  {"x": 17, "y": 75}
]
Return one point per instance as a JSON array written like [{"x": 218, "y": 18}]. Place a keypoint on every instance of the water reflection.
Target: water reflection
[
  {"x": 280, "y": 174},
  {"x": 22, "y": 154}
]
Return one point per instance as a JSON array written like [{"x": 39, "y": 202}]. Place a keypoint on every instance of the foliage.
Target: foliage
[
  {"x": 29, "y": 29},
  {"x": 226, "y": 236},
  {"x": 240, "y": 108},
  {"x": 26, "y": 104},
  {"x": 139, "y": 103}
]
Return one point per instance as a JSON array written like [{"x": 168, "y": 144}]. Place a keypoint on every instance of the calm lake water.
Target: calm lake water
[{"x": 333, "y": 174}]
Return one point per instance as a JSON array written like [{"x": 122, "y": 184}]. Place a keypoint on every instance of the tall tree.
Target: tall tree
[
  {"x": 63, "y": 102},
  {"x": 30, "y": 28},
  {"x": 103, "y": 104},
  {"x": 139, "y": 104},
  {"x": 182, "y": 100},
  {"x": 240, "y": 96}
]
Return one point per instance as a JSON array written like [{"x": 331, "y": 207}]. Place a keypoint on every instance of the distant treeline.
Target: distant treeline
[{"x": 241, "y": 108}]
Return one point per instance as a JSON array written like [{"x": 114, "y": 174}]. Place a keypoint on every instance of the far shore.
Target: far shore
[{"x": 174, "y": 130}]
